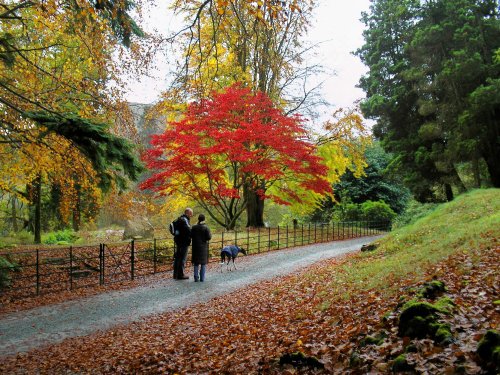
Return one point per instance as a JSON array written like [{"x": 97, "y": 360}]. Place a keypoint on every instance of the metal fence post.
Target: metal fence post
[
  {"x": 302, "y": 234},
  {"x": 101, "y": 264},
  {"x": 154, "y": 255},
  {"x": 278, "y": 237},
  {"x": 258, "y": 239},
  {"x": 71, "y": 268},
  {"x": 248, "y": 239},
  {"x": 37, "y": 272},
  {"x": 287, "y": 235},
  {"x": 268, "y": 238},
  {"x": 132, "y": 258}
]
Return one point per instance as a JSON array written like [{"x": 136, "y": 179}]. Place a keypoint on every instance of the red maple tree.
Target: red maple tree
[{"x": 233, "y": 141}]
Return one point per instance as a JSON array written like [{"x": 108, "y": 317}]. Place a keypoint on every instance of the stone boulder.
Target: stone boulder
[
  {"x": 370, "y": 247},
  {"x": 138, "y": 228}
]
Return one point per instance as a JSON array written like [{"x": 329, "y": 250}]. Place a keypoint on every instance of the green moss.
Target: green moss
[
  {"x": 354, "y": 359},
  {"x": 420, "y": 320},
  {"x": 443, "y": 335},
  {"x": 416, "y": 318},
  {"x": 488, "y": 350},
  {"x": 432, "y": 289},
  {"x": 378, "y": 339},
  {"x": 401, "y": 364},
  {"x": 445, "y": 305}
]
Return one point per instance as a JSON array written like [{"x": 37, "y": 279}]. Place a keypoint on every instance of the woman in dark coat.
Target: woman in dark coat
[{"x": 200, "y": 235}]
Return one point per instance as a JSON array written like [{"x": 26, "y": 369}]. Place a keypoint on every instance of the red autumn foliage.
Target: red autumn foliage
[{"x": 233, "y": 140}]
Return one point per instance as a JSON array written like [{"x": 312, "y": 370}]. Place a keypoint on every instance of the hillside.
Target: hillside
[{"x": 421, "y": 303}]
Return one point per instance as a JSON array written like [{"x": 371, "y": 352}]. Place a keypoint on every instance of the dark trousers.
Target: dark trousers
[{"x": 180, "y": 258}]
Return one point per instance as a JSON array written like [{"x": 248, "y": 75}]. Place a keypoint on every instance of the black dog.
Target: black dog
[{"x": 230, "y": 252}]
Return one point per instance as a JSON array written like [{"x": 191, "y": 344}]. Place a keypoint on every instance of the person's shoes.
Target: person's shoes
[
  {"x": 183, "y": 278},
  {"x": 196, "y": 280}
]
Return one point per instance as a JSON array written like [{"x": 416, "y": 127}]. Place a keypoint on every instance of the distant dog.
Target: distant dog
[{"x": 230, "y": 252}]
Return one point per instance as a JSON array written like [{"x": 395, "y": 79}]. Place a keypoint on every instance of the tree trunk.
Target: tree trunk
[
  {"x": 13, "y": 211},
  {"x": 493, "y": 164},
  {"x": 255, "y": 209},
  {"x": 37, "y": 200},
  {"x": 448, "y": 192},
  {"x": 491, "y": 149},
  {"x": 76, "y": 212}
]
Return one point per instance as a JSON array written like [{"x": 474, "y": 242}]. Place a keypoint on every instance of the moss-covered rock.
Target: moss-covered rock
[
  {"x": 354, "y": 359},
  {"x": 370, "y": 247},
  {"x": 378, "y": 339},
  {"x": 442, "y": 334},
  {"x": 299, "y": 359},
  {"x": 421, "y": 319},
  {"x": 488, "y": 350},
  {"x": 416, "y": 319},
  {"x": 400, "y": 364},
  {"x": 432, "y": 289}
]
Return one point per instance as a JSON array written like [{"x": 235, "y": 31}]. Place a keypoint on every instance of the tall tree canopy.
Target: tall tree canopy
[
  {"x": 433, "y": 87},
  {"x": 258, "y": 43},
  {"x": 56, "y": 96},
  {"x": 234, "y": 140}
]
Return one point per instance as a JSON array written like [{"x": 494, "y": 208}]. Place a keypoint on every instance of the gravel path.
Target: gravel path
[{"x": 26, "y": 330}]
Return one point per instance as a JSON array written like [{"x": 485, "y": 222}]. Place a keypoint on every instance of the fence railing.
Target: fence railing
[{"x": 54, "y": 269}]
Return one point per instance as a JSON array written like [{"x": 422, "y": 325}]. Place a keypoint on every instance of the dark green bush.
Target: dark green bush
[
  {"x": 6, "y": 267},
  {"x": 377, "y": 211},
  {"x": 351, "y": 212}
]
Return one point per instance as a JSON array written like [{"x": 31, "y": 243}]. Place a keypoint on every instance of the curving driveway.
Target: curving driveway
[{"x": 26, "y": 330}]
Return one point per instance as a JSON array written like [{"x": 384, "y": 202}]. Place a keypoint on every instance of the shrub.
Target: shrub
[
  {"x": 5, "y": 268},
  {"x": 377, "y": 211},
  {"x": 16, "y": 238},
  {"x": 352, "y": 212},
  {"x": 65, "y": 236}
]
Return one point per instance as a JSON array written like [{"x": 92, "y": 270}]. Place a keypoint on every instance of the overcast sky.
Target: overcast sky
[{"x": 336, "y": 24}]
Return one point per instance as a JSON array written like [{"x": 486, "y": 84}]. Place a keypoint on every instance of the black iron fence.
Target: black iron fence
[{"x": 51, "y": 269}]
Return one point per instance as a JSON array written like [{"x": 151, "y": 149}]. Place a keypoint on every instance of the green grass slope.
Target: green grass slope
[{"x": 471, "y": 221}]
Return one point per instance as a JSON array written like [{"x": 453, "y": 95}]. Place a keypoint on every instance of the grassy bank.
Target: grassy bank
[{"x": 470, "y": 222}]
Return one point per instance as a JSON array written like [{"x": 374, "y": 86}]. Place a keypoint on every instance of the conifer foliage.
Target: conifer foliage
[{"x": 231, "y": 141}]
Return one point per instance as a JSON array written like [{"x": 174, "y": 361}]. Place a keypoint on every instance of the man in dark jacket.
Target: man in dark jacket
[
  {"x": 200, "y": 233},
  {"x": 182, "y": 241}
]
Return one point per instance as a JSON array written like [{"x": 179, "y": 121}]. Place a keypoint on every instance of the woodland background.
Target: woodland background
[{"x": 73, "y": 153}]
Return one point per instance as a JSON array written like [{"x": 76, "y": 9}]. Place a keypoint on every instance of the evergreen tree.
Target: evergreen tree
[{"x": 432, "y": 86}]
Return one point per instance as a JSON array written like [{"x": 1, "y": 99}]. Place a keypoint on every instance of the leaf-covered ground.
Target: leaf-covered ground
[{"x": 315, "y": 313}]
